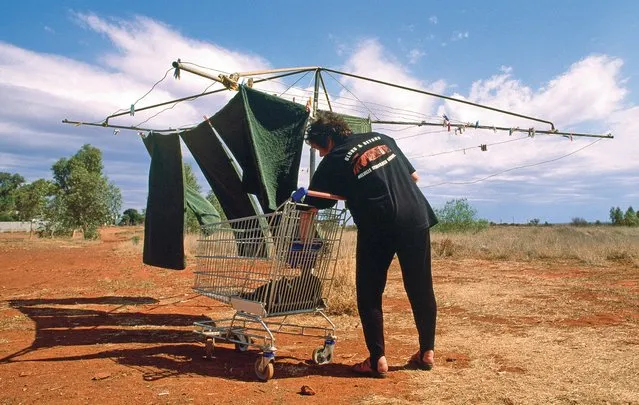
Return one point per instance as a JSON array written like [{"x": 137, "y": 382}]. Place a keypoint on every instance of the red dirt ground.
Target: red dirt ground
[{"x": 87, "y": 322}]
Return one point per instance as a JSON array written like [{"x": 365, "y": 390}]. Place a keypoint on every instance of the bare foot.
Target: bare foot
[
  {"x": 425, "y": 362},
  {"x": 382, "y": 365},
  {"x": 364, "y": 368}
]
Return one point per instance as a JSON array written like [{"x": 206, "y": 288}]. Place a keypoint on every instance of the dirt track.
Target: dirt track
[{"x": 86, "y": 322}]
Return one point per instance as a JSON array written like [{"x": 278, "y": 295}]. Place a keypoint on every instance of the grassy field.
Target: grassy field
[{"x": 592, "y": 246}]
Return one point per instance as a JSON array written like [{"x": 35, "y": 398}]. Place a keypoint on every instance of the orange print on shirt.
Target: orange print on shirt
[{"x": 369, "y": 156}]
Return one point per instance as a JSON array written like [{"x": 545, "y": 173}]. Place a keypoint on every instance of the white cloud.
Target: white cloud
[
  {"x": 371, "y": 60},
  {"x": 415, "y": 55},
  {"x": 433, "y": 19},
  {"x": 43, "y": 89},
  {"x": 588, "y": 97}
]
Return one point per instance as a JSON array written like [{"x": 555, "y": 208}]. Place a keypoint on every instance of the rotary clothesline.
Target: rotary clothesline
[{"x": 231, "y": 82}]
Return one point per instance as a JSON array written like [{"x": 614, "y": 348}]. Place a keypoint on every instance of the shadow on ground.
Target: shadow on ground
[{"x": 158, "y": 345}]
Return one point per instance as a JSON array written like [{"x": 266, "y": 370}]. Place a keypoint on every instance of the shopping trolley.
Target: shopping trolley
[{"x": 267, "y": 268}]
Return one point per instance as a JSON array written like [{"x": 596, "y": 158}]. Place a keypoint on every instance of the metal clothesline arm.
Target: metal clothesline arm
[
  {"x": 164, "y": 103},
  {"x": 491, "y": 127},
  {"x": 133, "y": 128},
  {"x": 552, "y": 126},
  {"x": 231, "y": 82},
  {"x": 225, "y": 79}
]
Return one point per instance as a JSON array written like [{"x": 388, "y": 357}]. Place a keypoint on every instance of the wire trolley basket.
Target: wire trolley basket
[{"x": 268, "y": 267}]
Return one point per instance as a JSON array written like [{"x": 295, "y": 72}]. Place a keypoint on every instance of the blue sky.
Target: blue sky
[{"x": 572, "y": 62}]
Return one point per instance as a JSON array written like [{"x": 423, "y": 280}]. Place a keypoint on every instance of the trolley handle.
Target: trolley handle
[
  {"x": 328, "y": 196},
  {"x": 299, "y": 194}
]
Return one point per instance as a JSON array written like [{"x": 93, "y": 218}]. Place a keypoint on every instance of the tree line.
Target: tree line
[
  {"x": 79, "y": 196},
  {"x": 628, "y": 218}
]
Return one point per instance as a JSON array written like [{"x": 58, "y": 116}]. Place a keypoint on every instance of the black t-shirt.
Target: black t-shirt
[{"x": 375, "y": 177}]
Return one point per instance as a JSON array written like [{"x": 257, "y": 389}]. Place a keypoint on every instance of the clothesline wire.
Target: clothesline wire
[
  {"x": 350, "y": 92},
  {"x": 512, "y": 168},
  {"x": 437, "y": 131},
  {"x": 197, "y": 96},
  {"x": 359, "y": 103},
  {"x": 368, "y": 106},
  {"x": 292, "y": 85},
  {"x": 468, "y": 148},
  {"x": 147, "y": 93},
  {"x": 393, "y": 129},
  {"x": 176, "y": 103},
  {"x": 310, "y": 93}
]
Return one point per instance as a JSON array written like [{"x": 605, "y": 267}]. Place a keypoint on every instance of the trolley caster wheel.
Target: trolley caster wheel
[
  {"x": 244, "y": 346},
  {"x": 321, "y": 357},
  {"x": 264, "y": 372},
  {"x": 209, "y": 347}
]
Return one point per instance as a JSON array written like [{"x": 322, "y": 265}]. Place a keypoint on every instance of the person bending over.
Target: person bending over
[{"x": 392, "y": 217}]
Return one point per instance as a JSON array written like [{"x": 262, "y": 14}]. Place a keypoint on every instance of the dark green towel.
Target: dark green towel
[
  {"x": 164, "y": 220},
  {"x": 266, "y": 135},
  {"x": 204, "y": 211}
]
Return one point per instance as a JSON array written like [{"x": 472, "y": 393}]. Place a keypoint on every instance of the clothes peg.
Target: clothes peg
[
  {"x": 449, "y": 127},
  {"x": 132, "y": 110},
  {"x": 476, "y": 124},
  {"x": 176, "y": 72},
  {"x": 494, "y": 129}
]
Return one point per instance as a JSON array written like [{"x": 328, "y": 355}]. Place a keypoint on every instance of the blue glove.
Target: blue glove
[{"x": 298, "y": 195}]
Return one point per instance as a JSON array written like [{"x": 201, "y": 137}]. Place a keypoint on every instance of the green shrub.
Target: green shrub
[{"x": 459, "y": 216}]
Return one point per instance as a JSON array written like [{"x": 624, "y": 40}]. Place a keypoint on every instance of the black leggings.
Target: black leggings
[{"x": 375, "y": 251}]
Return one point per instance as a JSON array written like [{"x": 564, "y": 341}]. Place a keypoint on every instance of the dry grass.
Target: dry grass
[
  {"x": 587, "y": 245},
  {"x": 598, "y": 246},
  {"x": 534, "y": 333},
  {"x": 341, "y": 299}
]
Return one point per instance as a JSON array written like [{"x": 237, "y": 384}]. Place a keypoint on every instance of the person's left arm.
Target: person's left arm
[{"x": 326, "y": 180}]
